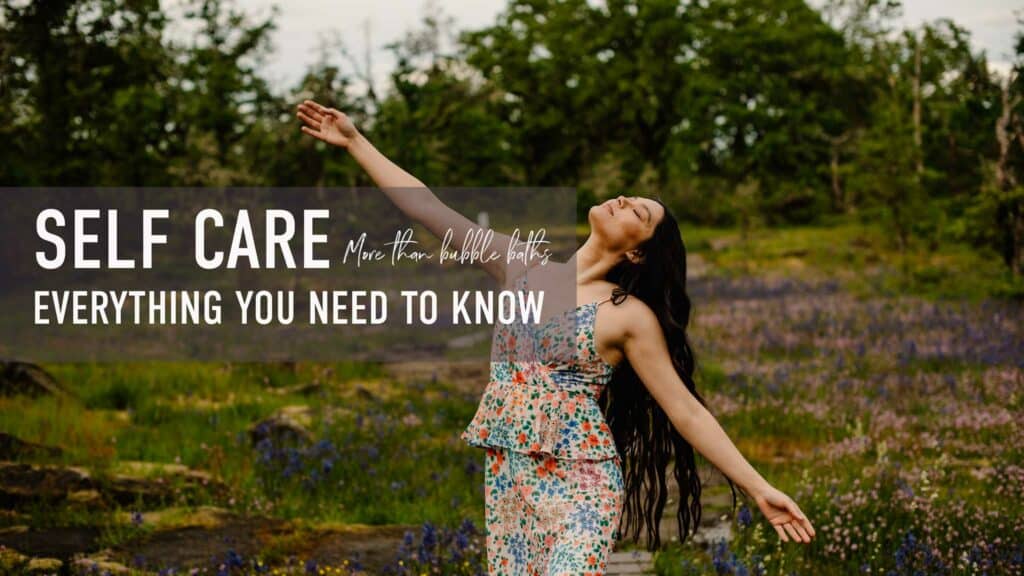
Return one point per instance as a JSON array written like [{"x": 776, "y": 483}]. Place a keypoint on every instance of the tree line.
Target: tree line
[{"x": 734, "y": 112}]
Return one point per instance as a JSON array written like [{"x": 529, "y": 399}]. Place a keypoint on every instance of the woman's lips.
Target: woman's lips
[{"x": 610, "y": 211}]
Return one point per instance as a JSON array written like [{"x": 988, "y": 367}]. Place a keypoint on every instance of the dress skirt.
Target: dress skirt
[{"x": 547, "y": 516}]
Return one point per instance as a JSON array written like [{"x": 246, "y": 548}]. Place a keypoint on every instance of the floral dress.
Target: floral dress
[{"x": 553, "y": 487}]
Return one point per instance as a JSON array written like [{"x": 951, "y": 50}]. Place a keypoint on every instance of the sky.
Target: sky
[{"x": 301, "y": 24}]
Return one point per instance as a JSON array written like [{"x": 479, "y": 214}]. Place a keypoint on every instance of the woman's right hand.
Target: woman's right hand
[
  {"x": 784, "y": 515},
  {"x": 327, "y": 124}
]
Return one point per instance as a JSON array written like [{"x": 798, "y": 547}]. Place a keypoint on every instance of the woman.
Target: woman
[{"x": 557, "y": 440}]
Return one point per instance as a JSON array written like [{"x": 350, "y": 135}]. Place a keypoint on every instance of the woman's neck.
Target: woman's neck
[{"x": 592, "y": 262}]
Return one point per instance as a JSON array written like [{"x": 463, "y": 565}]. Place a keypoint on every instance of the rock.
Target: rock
[
  {"x": 162, "y": 490},
  {"x": 203, "y": 541},
  {"x": 59, "y": 542},
  {"x": 313, "y": 388},
  {"x": 138, "y": 469},
  {"x": 374, "y": 547},
  {"x": 289, "y": 424},
  {"x": 14, "y": 448},
  {"x": 155, "y": 484},
  {"x": 11, "y": 517},
  {"x": 88, "y": 497},
  {"x": 201, "y": 533},
  {"x": 100, "y": 563},
  {"x": 22, "y": 483},
  {"x": 159, "y": 484},
  {"x": 43, "y": 566},
  {"x": 209, "y": 517},
  {"x": 201, "y": 546},
  {"x": 11, "y": 561},
  {"x": 24, "y": 378},
  {"x": 310, "y": 389},
  {"x": 365, "y": 394}
]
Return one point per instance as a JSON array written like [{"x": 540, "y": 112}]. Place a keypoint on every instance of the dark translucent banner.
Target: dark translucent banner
[{"x": 284, "y": 274}]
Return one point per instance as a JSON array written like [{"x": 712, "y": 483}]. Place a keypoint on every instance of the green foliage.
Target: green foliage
[
  {"x": 734, "y": 112},
  {"x": 885, "y": 182},
  {"x": 438, "y": 124},
  {"x": 763, "y": 99}
]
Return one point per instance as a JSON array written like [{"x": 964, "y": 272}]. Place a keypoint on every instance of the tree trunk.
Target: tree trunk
[{"x": 1006, "y": 180}]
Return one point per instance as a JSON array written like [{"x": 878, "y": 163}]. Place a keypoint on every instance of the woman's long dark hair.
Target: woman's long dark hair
[{"x": 644, "y": 436}]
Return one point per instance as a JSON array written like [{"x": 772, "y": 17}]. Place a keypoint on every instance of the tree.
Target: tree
[
  {"x": 580, "y": 81},
  {"x": 1001, "y": 199},
  {"x": 83, "y": 92},
  {"x": 219, "y": 95},
  {"x": 767, "y": 77},
  {"x": 920, "y": 157},
  {"x": 885, "y": 180},
  {"x": 439, "y": 119},
  {"x": 864, "y": 25}
]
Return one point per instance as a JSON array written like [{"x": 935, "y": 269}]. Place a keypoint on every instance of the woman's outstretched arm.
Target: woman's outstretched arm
[
  {"x": 407, "y": 192},
  {"x": 643, "y": 343}
]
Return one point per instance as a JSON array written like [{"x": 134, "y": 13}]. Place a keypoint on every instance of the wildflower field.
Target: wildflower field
[
  {"x": 889, "y": 409},
  {"x": 880, "y": 396}
]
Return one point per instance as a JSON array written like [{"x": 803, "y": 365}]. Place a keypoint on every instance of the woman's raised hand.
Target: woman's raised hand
[
  {"x": 784, "y": 515},
  {"x": 327, "y": 124}
]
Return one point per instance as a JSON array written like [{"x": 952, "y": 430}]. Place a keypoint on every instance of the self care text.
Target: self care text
[
  {"x": 87, "y": 239},
  {"x": 279, "y": 227}
]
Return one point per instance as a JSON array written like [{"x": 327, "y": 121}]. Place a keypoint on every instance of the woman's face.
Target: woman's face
[{"x": 624, "y": 222}]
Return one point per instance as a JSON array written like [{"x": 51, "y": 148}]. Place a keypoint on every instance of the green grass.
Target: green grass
[
  {"x": 863, "y": 257},
  {"x": 197, "y": 415}
]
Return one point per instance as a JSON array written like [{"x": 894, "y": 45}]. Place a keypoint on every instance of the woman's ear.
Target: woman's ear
[{"x": 635, "y": 256}]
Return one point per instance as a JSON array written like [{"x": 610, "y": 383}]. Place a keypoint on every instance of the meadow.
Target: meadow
[{"x": 882, "y": 391}]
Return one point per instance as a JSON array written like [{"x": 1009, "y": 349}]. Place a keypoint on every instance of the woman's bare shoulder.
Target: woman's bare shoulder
[{"x": 633, "y": 315}]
